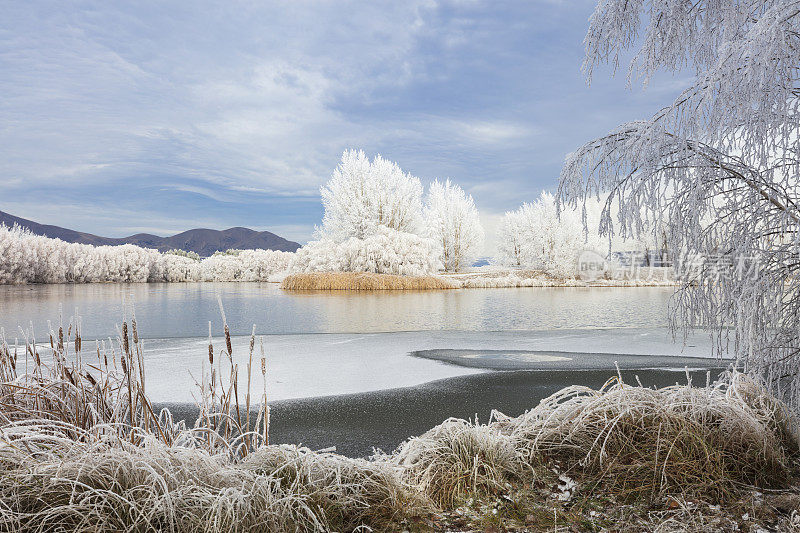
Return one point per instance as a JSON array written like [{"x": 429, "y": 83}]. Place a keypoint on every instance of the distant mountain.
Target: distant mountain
[{"x": 203, "y": 241}]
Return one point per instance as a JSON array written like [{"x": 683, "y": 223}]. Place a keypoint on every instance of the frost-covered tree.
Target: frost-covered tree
[
  {"x": 363, "y": 195},
  {"x": 372, "y": 222},
  {"x": 538, "y": 236},
  {"x": 510, "y": 237},
  {"x": 717, "y": 168},
  {"x": 452, "y": 222}
]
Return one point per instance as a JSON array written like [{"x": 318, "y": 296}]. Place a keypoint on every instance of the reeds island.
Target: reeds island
[
  {"x": 363, "y": 281},
  {"x": 81, "y": 449}
]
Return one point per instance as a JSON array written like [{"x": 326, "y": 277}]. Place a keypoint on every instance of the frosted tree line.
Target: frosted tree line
[
  {"x": 717, "y": 167},
  {"x": 29, "y": 258},
  {"x": 376, "y": 219},
  {"x": 542, "y": 235}
]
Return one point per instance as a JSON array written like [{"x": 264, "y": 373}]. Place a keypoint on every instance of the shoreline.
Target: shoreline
[{"x": 357, "y": 423}]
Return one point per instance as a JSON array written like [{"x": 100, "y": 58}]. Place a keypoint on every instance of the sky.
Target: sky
[{"x": 159, "y": 117}]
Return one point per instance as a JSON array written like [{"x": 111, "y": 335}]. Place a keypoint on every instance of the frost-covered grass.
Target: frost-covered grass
[
  {"x": 82, "y": 450},
  {"x": 363, "y": 281}
]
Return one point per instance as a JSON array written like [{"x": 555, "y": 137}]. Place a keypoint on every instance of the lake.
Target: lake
[{"x": 183, "y": 310}]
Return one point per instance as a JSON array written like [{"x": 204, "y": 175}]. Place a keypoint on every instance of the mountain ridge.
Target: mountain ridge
[{"x": 203, "y": 241}]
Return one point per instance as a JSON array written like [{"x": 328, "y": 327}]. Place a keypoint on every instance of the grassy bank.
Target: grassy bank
[{"x": 82, "y": 450}]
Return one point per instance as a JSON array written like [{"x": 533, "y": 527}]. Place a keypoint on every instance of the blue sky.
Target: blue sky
[{"x": 164, "y": 116}]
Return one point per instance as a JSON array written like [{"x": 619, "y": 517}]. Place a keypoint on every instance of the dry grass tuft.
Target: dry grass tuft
[
  {"x": 346, "y": 492},
  {"x": 457, "y": 459},
  {"x": 363, "y": 281},
  {"x": 677, "y": 440},
  {"x": 103, "y": 485}
]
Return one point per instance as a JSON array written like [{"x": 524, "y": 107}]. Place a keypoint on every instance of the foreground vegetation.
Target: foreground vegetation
[{"x": 82, "y": 450}]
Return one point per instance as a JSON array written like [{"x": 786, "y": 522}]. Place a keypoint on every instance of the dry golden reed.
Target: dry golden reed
[{"x": 363, "y": 281}]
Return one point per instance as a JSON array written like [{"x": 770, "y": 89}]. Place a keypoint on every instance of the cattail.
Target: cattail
[
  {"x": 125, "y": 345},
  {"x": 91, "y": 379},
  {"x": 135, "y": 331},
  {"x": 228, "y": 343},
  {"x": 124, "y": 365},
  {"x": 210, "y": 347},
  {"x": 61, "y": 338}
]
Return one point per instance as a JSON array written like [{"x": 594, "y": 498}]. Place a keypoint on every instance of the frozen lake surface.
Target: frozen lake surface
[
  {"x": 322, "y": 344},
  {"x": 307, "y": 365}
]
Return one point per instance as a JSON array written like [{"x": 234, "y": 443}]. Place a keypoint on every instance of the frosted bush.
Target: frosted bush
[
  {"x": 181, "y": 268},
  {"x": 244, "y": 265},
  {"x": 259, "y": 265},
  {"x": 386, "y": 252}
]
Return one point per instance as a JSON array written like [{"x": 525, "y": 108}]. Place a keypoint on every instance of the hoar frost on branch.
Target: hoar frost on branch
[
  {"x": 717, "y": 169},
  {"x": 453, "y": 223}
]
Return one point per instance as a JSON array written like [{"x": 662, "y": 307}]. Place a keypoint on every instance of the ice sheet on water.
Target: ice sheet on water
[{"x": 309, "y": 365}]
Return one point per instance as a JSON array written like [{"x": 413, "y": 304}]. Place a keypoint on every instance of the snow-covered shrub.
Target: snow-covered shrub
[
  {"x": 537, "y": 236},
  {"x": 178, "y": 268},
  {"x": 452, "y": 222},
  {"x": 244, "y": 265},
  {"x": 362, "y": 196},
  {"x": 259, "y": 265},
  {"x": 386, "y": 252}
]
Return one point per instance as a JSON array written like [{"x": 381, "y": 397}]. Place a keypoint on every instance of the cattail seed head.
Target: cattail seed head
[{"x": 125, "y": 345}]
